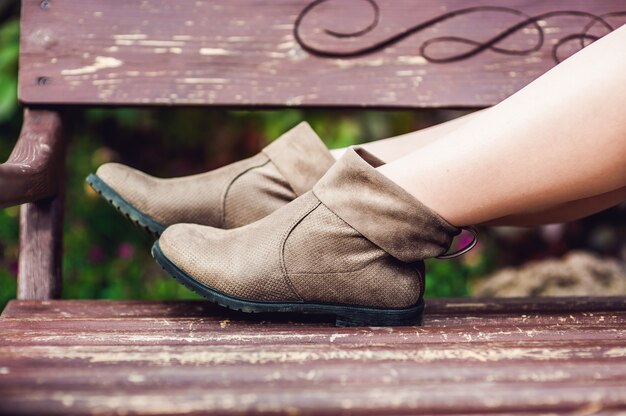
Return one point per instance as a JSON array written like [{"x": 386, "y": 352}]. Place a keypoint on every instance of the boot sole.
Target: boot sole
[
  {"x": 344, "y": 315},
  {"x": 124, "y": 207}
]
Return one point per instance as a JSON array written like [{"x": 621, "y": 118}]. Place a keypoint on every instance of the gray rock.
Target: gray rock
[{"x": 577, "y": 274}]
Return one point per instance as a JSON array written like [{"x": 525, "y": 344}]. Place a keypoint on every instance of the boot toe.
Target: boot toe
[
  {"x": 223, "y": 261},
  {"x": 133, "y": 193},
  {"x": 193, "y": 250},
  {"x": 183, "y": 244},
  {"x": 126, "y": 181}
]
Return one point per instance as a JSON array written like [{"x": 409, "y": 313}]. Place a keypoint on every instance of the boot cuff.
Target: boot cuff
[
  {"x": 300, "y": 156},
  {"x": 381, "y": 210}
]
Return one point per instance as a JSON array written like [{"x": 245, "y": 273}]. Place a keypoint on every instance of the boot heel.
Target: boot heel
[{"x": 381, "y": 317}]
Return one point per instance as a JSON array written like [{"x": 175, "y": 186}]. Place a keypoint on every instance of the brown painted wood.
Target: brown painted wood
[
  {"x": 32, "y": 171},
  {"x": 472, "y": 356},
  {"x": 41, "y": 246},
  {"x": 458, "y": 307},
  {"x": 33, "y": 175},
  {"x": 35, "y": 172},
  {"x": 244, "y": 52}
]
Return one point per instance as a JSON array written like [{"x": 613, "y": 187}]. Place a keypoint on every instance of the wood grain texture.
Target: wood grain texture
[
  {"x": 41, "y": 246},
  {"x": 244, "y": 53},
  {"x": 477, "y": 356},
  {"x": 32, "y": 171},
  {"x": 33, "y": 175},
  {"x": 35, "y": 172}
]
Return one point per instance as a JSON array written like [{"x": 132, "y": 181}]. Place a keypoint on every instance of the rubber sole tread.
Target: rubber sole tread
[{"x": 124, "y": 207}]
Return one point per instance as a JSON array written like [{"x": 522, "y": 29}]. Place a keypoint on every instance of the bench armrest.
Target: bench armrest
[{"x": 34, "y": 167}]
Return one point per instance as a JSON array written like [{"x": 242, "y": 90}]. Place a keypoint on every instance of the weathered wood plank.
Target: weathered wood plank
[
  {"x": 371, "y": 351},
  {"x": 241, "y": 322},
  {"x": 192, "y": 333},
  {"x": 451, "y": 308},
  {"x": 245, "y": 52},
  {"x": 473, "y": 356},
  {"x": 34, "y": 175},
  {"x": 33, "y": 170},
  {"x": 335, "y": 373},
  {"x": 238, "y": 378},
  {"x": 526, "y": 398},
  {"x": 326, "y": 355},
  {"x": 41, "y": 246}
]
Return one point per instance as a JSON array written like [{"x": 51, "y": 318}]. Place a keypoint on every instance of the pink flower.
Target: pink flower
[
  {"x": 96, "y": 254},
  {"x": 125, "y": 251}
]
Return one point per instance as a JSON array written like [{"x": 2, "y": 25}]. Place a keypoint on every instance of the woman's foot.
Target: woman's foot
[
  {"x": 234, "y": 195},
  {"x": 353, "y": 247}
]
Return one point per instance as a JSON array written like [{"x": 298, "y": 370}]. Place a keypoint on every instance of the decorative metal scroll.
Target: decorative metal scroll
[{"x": 475, "y": 47}]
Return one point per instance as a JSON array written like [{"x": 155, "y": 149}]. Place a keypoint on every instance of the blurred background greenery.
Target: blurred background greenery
[{"x": 106, "y": 257}]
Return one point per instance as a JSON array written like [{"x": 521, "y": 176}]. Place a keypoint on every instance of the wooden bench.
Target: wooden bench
[{"x": 473, "y": 355}]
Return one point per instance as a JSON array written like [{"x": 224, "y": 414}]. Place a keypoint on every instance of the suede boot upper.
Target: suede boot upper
[
  {"x": 234, "y": 195},
  {"x": 355, "y": 239},
  {"x": 381, "y": 210}
]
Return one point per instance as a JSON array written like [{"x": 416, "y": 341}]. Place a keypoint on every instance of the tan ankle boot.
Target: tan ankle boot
[
  {"x": 352, "y": 247},
  {"x": 234, "y": 195}
]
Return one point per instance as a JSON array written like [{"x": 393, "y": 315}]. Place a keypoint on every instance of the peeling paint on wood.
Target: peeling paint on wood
[
  {"x": 32, "y": 176},
  {"x": 252, "y": 45},
  {"x": 535, "y": 356},
  {"x": 101, "y": 62}
]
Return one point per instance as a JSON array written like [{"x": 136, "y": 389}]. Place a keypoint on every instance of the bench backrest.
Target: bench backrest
[{"x": 358, "y": 53}]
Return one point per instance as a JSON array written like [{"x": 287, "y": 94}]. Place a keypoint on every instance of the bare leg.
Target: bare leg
[
  {"x": 560, "y": 139},
  {"x": 395, "y": 147},
  {"x": 569, "y": 211}
]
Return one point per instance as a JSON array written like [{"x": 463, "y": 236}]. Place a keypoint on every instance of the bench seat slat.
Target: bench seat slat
[
  {"x": 221, "y": 376},
  {"x": 529, "y": 398},
  {"x": 190, "y": 357},
  {"x": 453, "y": 307}
]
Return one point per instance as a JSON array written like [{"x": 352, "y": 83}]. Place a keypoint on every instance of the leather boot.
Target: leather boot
[
  {"x": 353, "y": 247},
  {"x": 228, "y": 197}
]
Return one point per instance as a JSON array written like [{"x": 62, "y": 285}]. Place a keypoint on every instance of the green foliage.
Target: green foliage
[
  {"x": 9, "y": 125},
  {"x": 450, "y": 278},
  {"x": 9, "y": 54},
  {"x": 105, "y": 256},
  {"x": 8, "y": 253}
]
